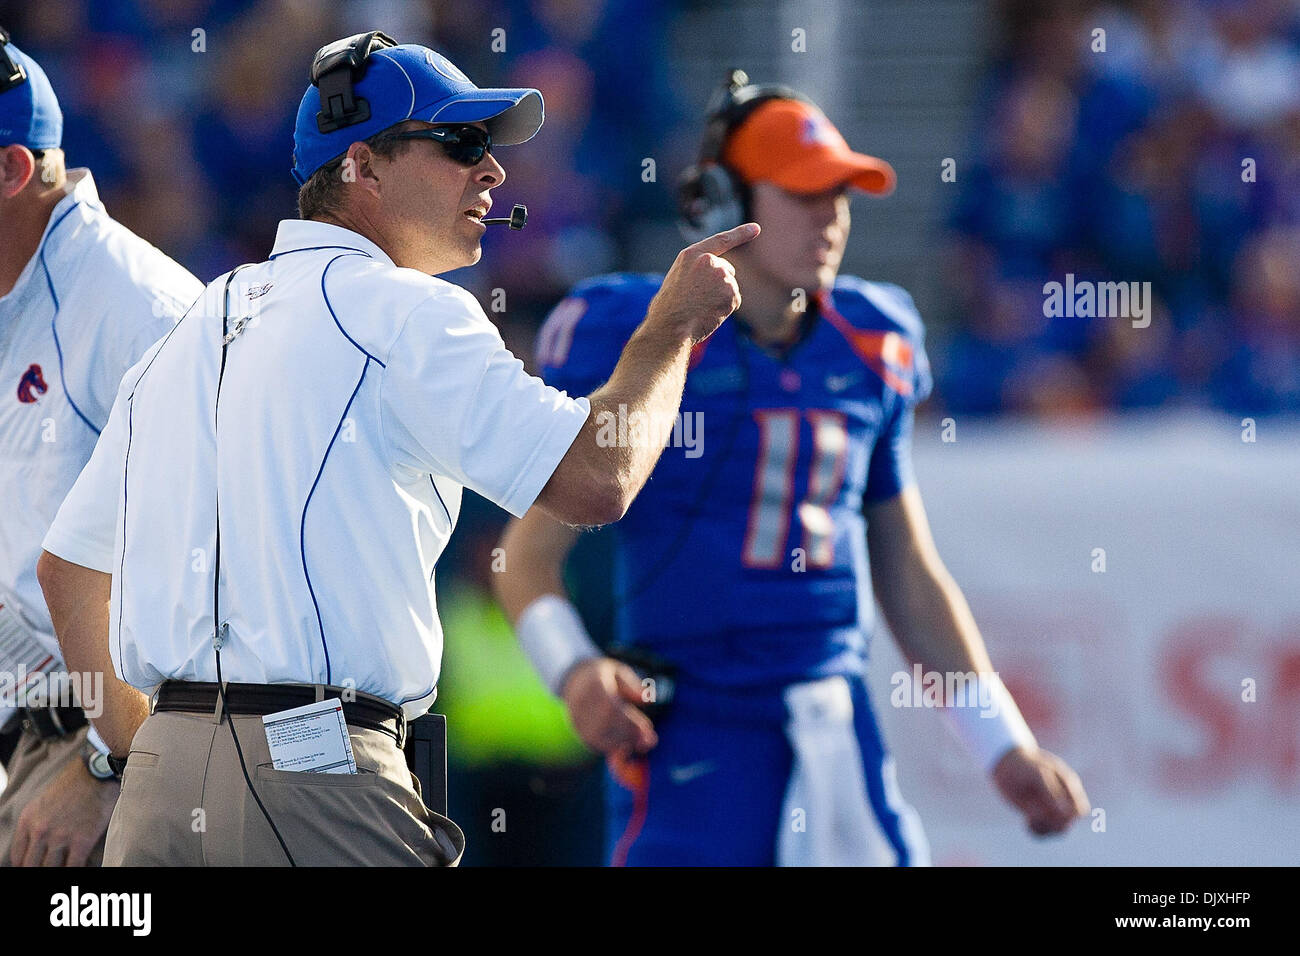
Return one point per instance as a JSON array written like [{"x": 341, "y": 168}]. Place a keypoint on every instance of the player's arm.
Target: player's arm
[
  {"x": 600, "y": 693},
  {"x": 933, "y": 625},
  {"x": 923, "y": 605},
  {"x": 596, "y": 480}
]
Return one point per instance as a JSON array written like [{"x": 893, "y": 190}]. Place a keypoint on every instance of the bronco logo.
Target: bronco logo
[{"x": 31, "y": 385}]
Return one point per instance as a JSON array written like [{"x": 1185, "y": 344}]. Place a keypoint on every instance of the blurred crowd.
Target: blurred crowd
[
  {"x": 184, "y": 111},
  {"x": 1150, "y": 141}
]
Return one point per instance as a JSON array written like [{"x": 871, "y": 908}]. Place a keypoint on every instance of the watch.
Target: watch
[{"x": 100, "y": 768}]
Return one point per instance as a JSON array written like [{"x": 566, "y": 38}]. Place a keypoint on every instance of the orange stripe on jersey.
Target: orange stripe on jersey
[
  {"x": 887, "y": 354},
  {"x": 632, "y": 773},
  {"x": 697, "y": 353}
]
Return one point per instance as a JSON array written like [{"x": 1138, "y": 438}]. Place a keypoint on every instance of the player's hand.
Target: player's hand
[
  {"x": 1042, "y": 787},
  {"x": 602, "y": 695},
  {"x": 61, "y": 826},
  {"x": 700, "y": 290}
]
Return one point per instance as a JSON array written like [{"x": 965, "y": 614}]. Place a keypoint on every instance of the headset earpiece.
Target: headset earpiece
[
  {"x": 710, "y": 198},
  {"x": 12, "y": 72},
  {"x": 334, "y": 71}
]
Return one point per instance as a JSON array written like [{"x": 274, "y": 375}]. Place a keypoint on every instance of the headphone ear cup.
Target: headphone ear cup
[{"x": 710, "y": 202}]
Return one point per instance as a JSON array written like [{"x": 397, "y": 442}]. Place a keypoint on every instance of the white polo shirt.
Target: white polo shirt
[
  {"x": 356, "y": 403},
  {"x": 88, "y": 304}
]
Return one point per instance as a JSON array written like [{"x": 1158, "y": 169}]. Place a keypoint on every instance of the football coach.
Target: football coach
[{"x": 258, "y": 527}]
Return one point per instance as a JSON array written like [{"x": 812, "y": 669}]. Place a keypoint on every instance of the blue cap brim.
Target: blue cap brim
[{"x": 511, "y": 116}]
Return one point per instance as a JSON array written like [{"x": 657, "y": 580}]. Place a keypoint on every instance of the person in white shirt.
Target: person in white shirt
[
  {"x": 81, "y": 299},
  {"x": 279, "y": 476}
]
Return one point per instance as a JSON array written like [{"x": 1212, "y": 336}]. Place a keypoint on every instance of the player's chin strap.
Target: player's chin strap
[{"x": 988, "y": 721}]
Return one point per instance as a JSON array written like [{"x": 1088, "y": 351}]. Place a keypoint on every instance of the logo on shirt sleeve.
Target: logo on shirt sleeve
[{"x": 32, "y": 385}]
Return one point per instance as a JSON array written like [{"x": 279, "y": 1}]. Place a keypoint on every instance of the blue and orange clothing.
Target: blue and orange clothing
[{"x": 743, "y": 561}]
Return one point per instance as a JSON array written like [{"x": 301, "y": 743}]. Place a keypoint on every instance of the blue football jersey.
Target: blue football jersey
[{"x": 743, "y": 561}]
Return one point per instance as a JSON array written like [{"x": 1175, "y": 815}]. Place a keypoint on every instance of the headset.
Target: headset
[
  {"x": 710, "y": 197},
  {"x": 12, "y": 73},
  {"x": 336, "y": 70}
]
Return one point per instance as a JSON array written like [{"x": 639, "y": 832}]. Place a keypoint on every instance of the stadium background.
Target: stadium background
[{"x": 1165, "y": 149}]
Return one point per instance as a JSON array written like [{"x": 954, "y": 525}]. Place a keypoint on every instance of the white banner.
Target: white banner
[{"x": 1136, "y": 581}]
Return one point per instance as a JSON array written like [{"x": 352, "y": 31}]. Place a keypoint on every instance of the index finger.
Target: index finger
[{"x": 721, "y": 242}]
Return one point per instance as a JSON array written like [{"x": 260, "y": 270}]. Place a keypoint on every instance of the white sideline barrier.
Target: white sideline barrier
[{"x": 1134, "y": 675}]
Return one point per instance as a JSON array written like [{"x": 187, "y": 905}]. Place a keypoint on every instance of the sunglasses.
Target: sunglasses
[{"x": 466, "y": 145}]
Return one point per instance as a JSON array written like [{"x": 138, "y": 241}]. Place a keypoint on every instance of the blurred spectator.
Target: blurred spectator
[
  {"x": 1262, "y": 372},
  {"x": 1171, "y": 157},
  {"x": 184, "y": 110}
]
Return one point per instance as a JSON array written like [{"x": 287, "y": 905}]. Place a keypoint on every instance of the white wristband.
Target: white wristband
[
  {"x": 96, "y": 741},
  {"x": 988, "y": 722},
  {"x": 554, "y": 638}
]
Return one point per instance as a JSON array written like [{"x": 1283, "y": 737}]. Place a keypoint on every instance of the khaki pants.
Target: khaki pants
[
  {"x": 185, "y": 803},
  {"x": 34, "y": 764}
]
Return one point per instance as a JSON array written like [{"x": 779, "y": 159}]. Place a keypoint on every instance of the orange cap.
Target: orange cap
[{"x": 793, "y": 145}]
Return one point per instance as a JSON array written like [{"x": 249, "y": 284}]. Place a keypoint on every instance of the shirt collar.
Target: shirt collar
[
  {"x": 298, "y": 234},
  {"x": 78, "y": 187}
]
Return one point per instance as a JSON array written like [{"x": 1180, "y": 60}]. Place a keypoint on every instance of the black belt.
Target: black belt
[
  {"x": 366, "y": 711},
  {"x": 50, "y": 722}
]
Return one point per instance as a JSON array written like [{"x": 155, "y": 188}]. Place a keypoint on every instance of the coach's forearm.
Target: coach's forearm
[
  {"x": 646, "y": 392},
  {"x": 78, "y": 599},
  {"x": 632, "y": 414},
  {"x": 631, "y": 419}
]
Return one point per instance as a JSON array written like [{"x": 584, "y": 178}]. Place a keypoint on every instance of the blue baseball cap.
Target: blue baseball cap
[
  {"x": 411, "y": 82},
  {"x": 29, "y": 110}
]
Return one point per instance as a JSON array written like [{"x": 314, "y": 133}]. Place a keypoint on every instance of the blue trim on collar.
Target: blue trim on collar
[
  {"x": 326, "y": 295},
  {"x": 285, "y": 252}
]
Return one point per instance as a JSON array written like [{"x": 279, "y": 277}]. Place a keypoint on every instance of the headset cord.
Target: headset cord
[
  {"x": 221, "y": 689},
  {"x": 220, "y": 631}
]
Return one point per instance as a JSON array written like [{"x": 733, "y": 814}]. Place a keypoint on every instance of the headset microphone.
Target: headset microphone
[{"x": 517, "y": 219}]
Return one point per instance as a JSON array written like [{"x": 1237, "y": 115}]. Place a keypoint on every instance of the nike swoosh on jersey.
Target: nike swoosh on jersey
[
  {"x": 685, "y": 773},
  {"x": 838, "y": 383}
]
